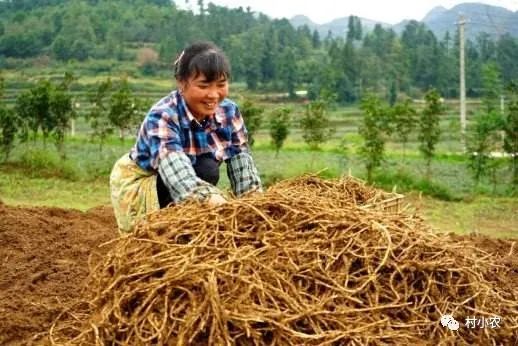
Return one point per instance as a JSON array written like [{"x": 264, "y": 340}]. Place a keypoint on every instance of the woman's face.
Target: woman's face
[{"x": 203, "y": 97}]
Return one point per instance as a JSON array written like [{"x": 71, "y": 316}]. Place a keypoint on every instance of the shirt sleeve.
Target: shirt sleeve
[
  {"x": 178, "y": 174},
  {"x": 159, "y": 135},
  {"x": 243, "y": 174},
  {"x": 239, "y": 136}
]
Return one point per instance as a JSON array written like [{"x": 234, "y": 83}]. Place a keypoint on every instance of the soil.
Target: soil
[{"x": 44, "y": 255}]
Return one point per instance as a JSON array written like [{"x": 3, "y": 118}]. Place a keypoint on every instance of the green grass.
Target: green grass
[
  {"x": 491, "y": 216},
  {"x": 19, "y": 188}
]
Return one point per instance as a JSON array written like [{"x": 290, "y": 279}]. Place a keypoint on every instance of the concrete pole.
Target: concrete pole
[{"x": 461, "y": 24}]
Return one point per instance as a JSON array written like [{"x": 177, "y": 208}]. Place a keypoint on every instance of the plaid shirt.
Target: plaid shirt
[
  {"x": 170, "y": 127},
  {"x": 182, "y": 182},
  {"x": 170, "y": 139}
]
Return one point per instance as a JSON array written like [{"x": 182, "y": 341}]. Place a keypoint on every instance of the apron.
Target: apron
[{"x": 133, "y": 193}]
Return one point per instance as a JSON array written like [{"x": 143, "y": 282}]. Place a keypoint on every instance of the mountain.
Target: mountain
[
  {"x": 435, "y": 13},
  {"x": 493, "y": 20},
  {"x": 337, "y": 27}
]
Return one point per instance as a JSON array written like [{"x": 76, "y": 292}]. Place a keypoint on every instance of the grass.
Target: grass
[
  {"x": 18, "y": 188},
  {"x": 491, "y": 216}
]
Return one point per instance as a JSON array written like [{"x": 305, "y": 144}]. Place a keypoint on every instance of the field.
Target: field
[{"x": 55, "y": 212}]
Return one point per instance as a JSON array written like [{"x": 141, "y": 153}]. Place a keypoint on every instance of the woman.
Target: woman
[{"x": 183, "y": 140}]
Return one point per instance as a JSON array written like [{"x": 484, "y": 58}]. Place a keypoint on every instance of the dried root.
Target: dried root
[{"x": 303, "y": 263}]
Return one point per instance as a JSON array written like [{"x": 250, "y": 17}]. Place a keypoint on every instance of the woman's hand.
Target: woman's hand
[{"x": 216, "y": 199}]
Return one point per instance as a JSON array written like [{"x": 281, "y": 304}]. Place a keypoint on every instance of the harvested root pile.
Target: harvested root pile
[{"x": 303, "y": 263}]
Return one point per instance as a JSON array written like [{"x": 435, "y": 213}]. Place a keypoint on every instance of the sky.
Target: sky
[{"x": 322, "y": 11}]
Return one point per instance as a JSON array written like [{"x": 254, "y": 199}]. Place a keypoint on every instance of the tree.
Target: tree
[
  {"x": 8, "y": 130},
  {"x": 33, "y": 107},
  {"x": 491, "y": 84},
  {"x": 76, "y": 38},
  {"x": 253, "y": 118},
  {"x": 506, "y": 56},
  {"x": 279, "y": 127},
  {"x": 124, "y": 108},
  {"x": 168, "y": 49},
  {"x": 288, "y": 71},
  {"x": 315, "y": 39},
  {"x": 251, "y": 57},
  {"x": 483, "y": 135},
  {"x": 393, "y": 93},
  {"x": 511, "y": 132},
  {"x": 404, "y": 117},
  {"x": 61, "y": 111},
  {"x": 8, "y": 125},
  {"x": 372, "y": 131},
  {"x": 315, "y": 124},
  {"x": 429, "y": 131},
  {"x": 98, "y": 115}
]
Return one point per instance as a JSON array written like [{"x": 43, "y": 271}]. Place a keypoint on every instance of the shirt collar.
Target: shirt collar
[{"x": 187, "y": 117}]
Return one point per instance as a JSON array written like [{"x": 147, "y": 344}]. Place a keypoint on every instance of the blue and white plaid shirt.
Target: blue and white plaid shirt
[
  {"x": 170, "y": 139},
  {"x": 170, "y": 127}
]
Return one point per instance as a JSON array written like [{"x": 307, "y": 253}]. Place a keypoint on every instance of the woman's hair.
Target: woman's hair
[{"x": 202, "y": 58}]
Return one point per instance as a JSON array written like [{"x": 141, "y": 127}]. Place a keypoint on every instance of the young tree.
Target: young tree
[
  {"x": 124, "y": 108},
  {"x": 61, "y": 112},
  {"x": 8, "y": 125},
  {"x": 253, "y": 118},
  {"x": 429, "y": 131},
  {"x": 98, "y": 115},
  {"x": 315, "y": 124},
  {"x": 8, "y": 130},
  {"x": 511, "y": 132},
  {"x": 32, "y": 106},
  {"x": 404, "y": 117},
  {"x": 373, "y": 132},
  {"x": 491, "y": 84},
  {"x": 279, "y": 127},
  {"x": 483, "y": 135}
]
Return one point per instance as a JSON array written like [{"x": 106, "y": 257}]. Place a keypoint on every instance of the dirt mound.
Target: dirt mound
[{"x": 44, "y": 260}]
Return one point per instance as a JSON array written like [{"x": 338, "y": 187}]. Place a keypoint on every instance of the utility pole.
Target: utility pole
[{"x": 461, "y": 24}]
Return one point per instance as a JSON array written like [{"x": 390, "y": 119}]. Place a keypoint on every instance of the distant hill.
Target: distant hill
[
  {"x": 337, "y": 27},
  {"x": 493, "y": 20}
]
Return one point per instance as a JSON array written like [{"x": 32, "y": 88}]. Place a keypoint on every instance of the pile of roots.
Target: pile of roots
[{"x": 309, "y": 262}]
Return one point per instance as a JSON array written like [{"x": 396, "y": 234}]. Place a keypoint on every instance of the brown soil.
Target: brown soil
[
  {"x": 44, "y": 254},
  {"x": 44, "y": 259}
]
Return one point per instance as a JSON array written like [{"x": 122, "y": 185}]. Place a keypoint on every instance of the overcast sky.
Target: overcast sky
[{"x": 322, "y": 11}]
